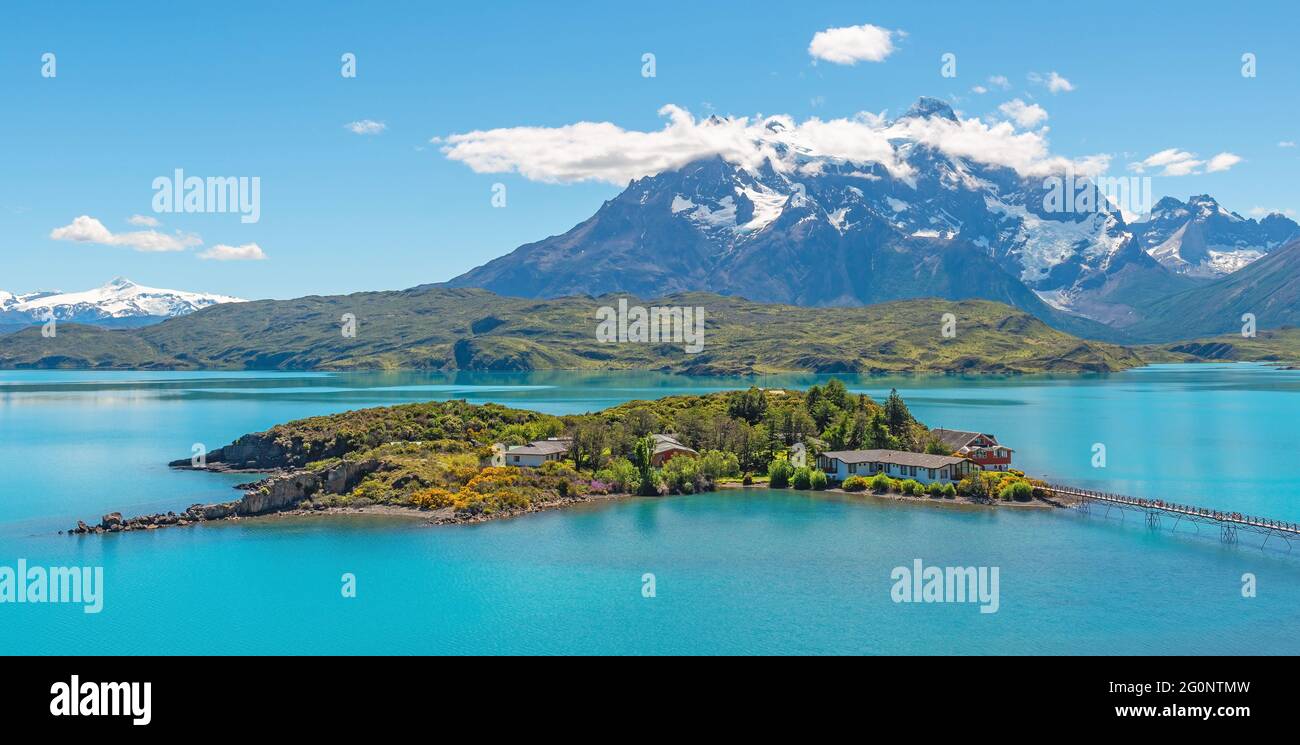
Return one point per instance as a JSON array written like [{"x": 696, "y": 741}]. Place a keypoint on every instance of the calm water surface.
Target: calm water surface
[{"x": 758, "y": 571}]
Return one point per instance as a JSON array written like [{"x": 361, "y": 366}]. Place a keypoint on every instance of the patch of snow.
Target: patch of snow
[
  {"x": 897, "y": 205},
  {"x": 837, "y": 218},
  {"x": 1227, "y": 262},
  {"x": 767, "y": 207},
  {"x": 723, "y": 216},
  {"x": 1042, "y": 243},
  {"x": 681, "y": 203}
]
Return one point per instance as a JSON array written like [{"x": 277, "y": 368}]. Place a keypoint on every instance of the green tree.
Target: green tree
[
  {"x": 642, "y": 458},
  {"x": 823, "y": 413},
  {"x": 837, "y": 394},
  {"x": 749, "y": 405},
  {"x": 934, "y": 447},
  {"x": 590, "y": 438},
  {"x": 641, "y": 422},
  {"x": 877, "y": 435},
  {"x": 897, "y": 417}
]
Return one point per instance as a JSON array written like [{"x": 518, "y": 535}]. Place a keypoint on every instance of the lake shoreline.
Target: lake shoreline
[
  {"x": 115, "y": 523},
  {"x": 1035, "y": 503}
]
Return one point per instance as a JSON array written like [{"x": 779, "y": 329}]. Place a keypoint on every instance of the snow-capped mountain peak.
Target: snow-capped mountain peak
[
  {"x": 804, "y": 226},
  {"x": 1200, "y": 238},
  {"x": 118, "y": 299},
  {"x": 926, "y": 107}
]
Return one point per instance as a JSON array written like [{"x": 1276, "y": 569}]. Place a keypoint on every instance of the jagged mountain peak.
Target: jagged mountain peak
[
  {"x": 1199, "y": 238},
  {"x": 927, "y": 107},
  {"x": 804, "y": 228}
]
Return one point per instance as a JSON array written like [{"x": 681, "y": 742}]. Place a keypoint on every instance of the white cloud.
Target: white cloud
[
  {"x": 1286, "y": 143},
  {"x": 1222, "y": 162},
  {"x": 246, "y": 252},
  {"x": 850, "y": 45},
  {"x": 602, "y": 151},
  {"x": 1266, "y": 211},
  {"x": 1177, "y": 162},
  {"x": 365, "y": 127},
  {"x": 1000, "y": 81},
  {"x": 979, "y": 89},
  {"x": 143, "y": 221},
  {"x": 86, "y": 229},
  {"x": 1053, "y": 80},
  {"x": 1026, "y": 115}
]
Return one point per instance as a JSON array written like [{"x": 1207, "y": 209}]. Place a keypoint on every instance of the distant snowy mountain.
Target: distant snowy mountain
[
  {"x": 1199, "y": 238},
  {"x": 815, "y": 230},
  {"x": 120, "y": 302}
]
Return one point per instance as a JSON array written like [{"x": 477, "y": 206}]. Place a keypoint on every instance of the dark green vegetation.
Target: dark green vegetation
[
  {"x": 437, "y": 455},
  {"x": 437, "y": 328}
]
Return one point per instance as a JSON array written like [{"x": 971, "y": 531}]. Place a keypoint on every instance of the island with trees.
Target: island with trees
[{"x": 442, "y": 460}]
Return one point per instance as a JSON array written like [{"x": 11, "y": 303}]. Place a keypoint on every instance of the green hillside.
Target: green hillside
[{"x": 439, "y": 328}]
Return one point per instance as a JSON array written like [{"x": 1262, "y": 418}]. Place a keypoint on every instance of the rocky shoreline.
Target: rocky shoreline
[{"x": 283, "y": 495}]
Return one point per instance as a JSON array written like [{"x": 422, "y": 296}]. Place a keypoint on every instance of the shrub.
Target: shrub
[
  {"x": 716, "y": 464},
  {"x": 748, "y": 480},
  {"x": 1020, "y": 491},
  {"x": 802, "y": 478},
  {"x": 621, "y": 475},
  {"x": 854, "y": 483},
  {"x": 910, "y": 486},
  {"x": 557, "y": 468},
  {"x": 972, "y": 486},
  {"x": 817, "y": 479},
  {"x": 881, "y": 483},
  {"x": 682, "y": 475},
  {"x": 935, "y": 489},
  {"x": 949, "y": 491},
  {"x": 779, "y": 473},
  {"x": 432, "y": 499}
]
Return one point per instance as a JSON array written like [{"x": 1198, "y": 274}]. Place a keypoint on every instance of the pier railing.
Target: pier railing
[{"x": 1228, "y": 522}]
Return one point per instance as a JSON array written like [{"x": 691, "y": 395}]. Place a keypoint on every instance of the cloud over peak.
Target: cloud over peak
[{"x": 603, "y": 151}]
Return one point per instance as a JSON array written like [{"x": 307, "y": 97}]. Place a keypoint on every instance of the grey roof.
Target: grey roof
[
  {"x": 956, "y": 439},
  {"x": 664, "y": 443},
  {"x": 540, "y": 447},
  {"x": 896, "y": 457}
]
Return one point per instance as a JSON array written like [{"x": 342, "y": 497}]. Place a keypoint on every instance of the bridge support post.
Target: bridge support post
[
  {"x": 1153, "y": 520},
  {"x": 1228, "y": 533}
]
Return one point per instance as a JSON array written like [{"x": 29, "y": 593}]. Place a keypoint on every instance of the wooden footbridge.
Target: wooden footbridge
[{"x": 1158, "y": 510}]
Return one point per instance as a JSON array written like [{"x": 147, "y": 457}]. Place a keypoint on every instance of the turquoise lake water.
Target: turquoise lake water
[{"x": 735, "y": 572}]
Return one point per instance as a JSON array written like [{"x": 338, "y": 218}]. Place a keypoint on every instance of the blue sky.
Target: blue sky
[{"x": 252, "y": 89}]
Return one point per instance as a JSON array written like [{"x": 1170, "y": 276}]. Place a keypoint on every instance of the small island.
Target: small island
[{"x": 456, "y": 462}]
